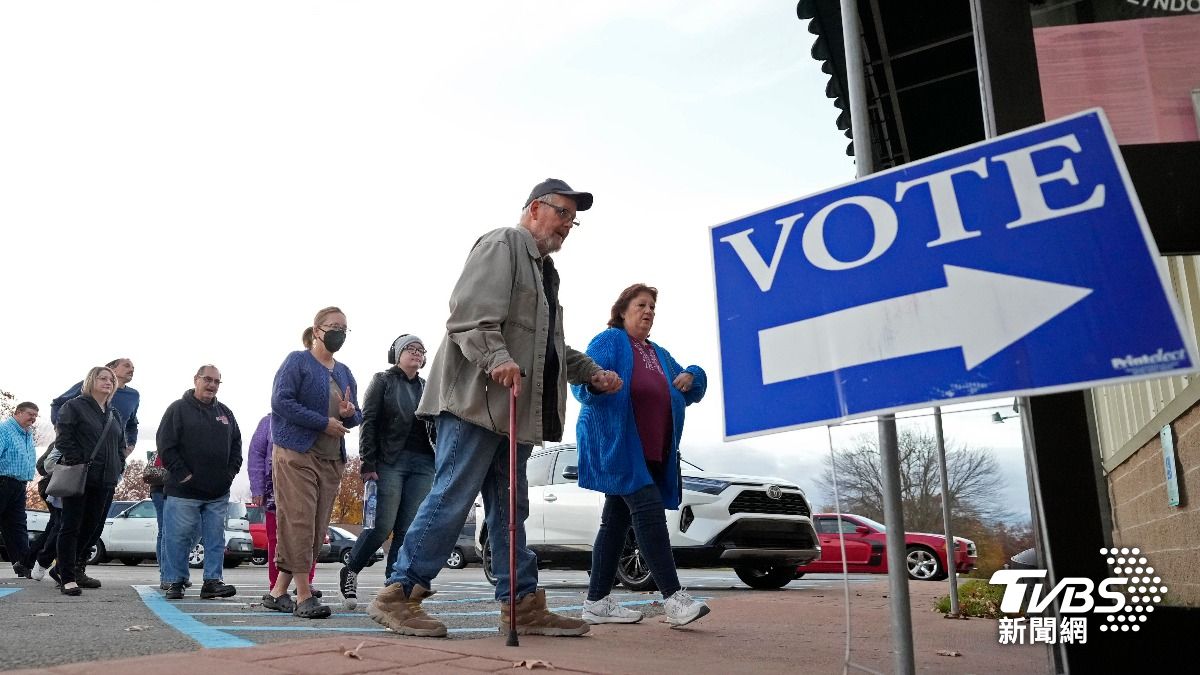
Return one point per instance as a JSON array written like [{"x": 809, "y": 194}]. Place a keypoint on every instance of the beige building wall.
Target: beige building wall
[{"x": 1169, "y": 536}]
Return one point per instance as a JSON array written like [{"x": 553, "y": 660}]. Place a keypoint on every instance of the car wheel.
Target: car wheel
[
  {"x": 767, "y": 577},
  {"x": 196, "y": 557},
  {"x": 259, "y": 559},
  {"x": 345, "y": 556},
  {"x": 487, "y": 561},
  {"x": 132, "y": 562},
  {"x": 456, "y": 561},
  {"x": 923, "y": 564},
  {"x": 97, "y": 555},
  {"x": 632, "y": 570}
]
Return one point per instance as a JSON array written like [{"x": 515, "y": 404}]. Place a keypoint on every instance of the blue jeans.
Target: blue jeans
[
  {"x": 468, "y": 459},
  {"x": 645, "y": 509},
  {"x": 159, "y": 498},
  {"x": 181, "y": 518},
  {"x": 401, "y": 487}
]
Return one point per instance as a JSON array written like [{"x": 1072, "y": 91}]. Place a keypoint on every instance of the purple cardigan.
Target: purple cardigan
[
  {"x": 300, "y": 401},
  {"x": 260, "y": 463}
]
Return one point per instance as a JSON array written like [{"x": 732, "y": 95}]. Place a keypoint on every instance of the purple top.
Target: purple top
[
  {"x": 260, "y": 463},
  {"x": 651, "y": 402}
]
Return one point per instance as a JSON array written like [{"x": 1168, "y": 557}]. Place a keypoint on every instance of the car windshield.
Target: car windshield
[
  {"x": 875, "y": 525},
  {"x": 118, "y": 508}
]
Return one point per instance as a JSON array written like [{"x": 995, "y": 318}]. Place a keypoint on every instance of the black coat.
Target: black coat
[
  {"x": 79, "y": 425},
  {"x": 389, "y": 414},
  {"x": 200, "y": 440}
]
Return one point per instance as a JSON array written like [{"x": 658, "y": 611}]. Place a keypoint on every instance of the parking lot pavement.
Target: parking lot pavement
[{"x": 798, "y": 629}]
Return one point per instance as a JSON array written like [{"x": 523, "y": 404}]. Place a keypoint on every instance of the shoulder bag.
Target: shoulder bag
[{"x": 69, "y": 481}]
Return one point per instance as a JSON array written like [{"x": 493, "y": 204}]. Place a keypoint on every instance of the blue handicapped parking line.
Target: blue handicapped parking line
[
  {"x": 8, "y": 591},
  {"x": 177, "y": 614}
]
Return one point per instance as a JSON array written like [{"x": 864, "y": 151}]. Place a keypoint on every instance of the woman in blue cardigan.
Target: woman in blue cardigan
[
  {"x": 629, "y": 450},
  {"x": 314, "y": 403}
]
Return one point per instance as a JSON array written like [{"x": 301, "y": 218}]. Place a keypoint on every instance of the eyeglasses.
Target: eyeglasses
[
  {"x": 210, "y": 380},
  {"x": 419, "y": 351},
  {"x": 562, "y": 212},
  {"x": 335, "y": 327}
]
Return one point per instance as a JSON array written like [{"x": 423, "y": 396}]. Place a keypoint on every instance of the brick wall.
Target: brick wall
[{"x": 1168, "y": 535}]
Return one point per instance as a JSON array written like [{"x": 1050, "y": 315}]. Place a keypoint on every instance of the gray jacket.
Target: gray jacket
[{"x": 498, "y": 313}]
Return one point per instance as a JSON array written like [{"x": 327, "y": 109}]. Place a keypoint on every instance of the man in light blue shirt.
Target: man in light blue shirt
[{"x": 17, "y": 458}]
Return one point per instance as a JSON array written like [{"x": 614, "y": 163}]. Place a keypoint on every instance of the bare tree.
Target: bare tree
[{"x": 975, "y": 481}]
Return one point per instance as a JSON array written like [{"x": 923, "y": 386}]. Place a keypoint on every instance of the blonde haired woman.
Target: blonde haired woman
[
  {"x": 314, "y": 403},
  {"x": 90, "y": 430}
]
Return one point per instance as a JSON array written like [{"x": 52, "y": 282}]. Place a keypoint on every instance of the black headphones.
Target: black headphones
[{"x": 393, "y": 356}]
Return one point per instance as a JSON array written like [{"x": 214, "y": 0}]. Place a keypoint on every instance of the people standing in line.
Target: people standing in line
[
  {"x": 18, "y": 455},
  {"x": 396, "y": 453},
  {"x": 201, "y": 447},
  {"x": 263, "y": 495},
  {"x": 505, "y": 320},
  {"x": 628, "y": 446},
  {"x": 126, "y": 400},
  {"x": 89, "y": 426},
  {"x": 314, "y": 403},
  {"x": 44, "y": 547}
]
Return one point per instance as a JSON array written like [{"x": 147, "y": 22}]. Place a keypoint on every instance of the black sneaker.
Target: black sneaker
[
  {"x": 283, "y": 603},
  {"x": 175, "y": 591},
  {"x": 348, "y": 582},
  {"x": 85, "y": 581},
  {"x": 215, "y": 588},
  {"x": 22, "y": 571}
]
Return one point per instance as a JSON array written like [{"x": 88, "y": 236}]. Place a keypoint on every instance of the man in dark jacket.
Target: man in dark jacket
[{"x": 201, "y": 447}]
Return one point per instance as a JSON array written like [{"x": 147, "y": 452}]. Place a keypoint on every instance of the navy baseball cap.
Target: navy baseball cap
[{"x": 554, "y": 186}]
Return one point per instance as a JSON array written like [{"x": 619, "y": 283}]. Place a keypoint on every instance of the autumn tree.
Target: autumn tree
[
  {"x": 132, "y": 488},
  {"x": 348, "y": 505},
  {"x": 973, "y": 474}
]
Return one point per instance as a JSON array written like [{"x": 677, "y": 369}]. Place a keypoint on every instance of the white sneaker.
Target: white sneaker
[
  {"x": 682, "y": 609},
  {"x": 606, "y": 610},
  {"x": 38, "y": 572}
]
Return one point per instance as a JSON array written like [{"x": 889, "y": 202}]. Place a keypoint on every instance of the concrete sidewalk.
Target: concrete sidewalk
[{"x": 794, "y": 632}]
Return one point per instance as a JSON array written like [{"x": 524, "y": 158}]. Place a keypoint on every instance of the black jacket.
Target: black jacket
[
  {"x": 203, "y": 441},
  {"x": 389, "y": 413},
  {"x": 79, "y": 425}
]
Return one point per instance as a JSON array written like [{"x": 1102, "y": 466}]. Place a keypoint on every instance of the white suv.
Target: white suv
[
  {"x": 130, "y": 536},
  {"x": 759, "y": 526}
]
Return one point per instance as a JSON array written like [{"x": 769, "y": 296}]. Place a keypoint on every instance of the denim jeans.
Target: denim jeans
[
  {"x": 468, "y": 459},
  {"x": 12, "y": 518},
  {"x": 159, "y": 498},
  {"x": 645, "y": 509},
  {"x": 181, "y": 518},
  {"x": 401, "y": 487}
]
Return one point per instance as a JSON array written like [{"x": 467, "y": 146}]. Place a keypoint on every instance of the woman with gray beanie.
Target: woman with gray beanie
[{"x": 397, "y": 453}]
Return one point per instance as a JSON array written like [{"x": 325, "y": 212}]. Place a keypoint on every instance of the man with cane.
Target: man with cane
[{"x": 505, "y": 321}]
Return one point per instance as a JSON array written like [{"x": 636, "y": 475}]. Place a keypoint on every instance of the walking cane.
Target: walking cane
[{"x": 512, "y": 515}]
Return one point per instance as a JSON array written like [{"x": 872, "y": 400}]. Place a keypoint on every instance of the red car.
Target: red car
[
  {"x": 258, "y": 532},
  {"x": 866, "y": 549}
]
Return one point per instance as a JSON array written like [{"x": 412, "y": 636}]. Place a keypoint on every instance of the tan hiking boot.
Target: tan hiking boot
[
  {"x": 534, "y": 619},
  {"x": 403, "y": 614}
]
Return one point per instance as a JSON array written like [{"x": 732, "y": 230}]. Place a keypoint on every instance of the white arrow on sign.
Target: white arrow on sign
[{"x": 981, "y": 312}]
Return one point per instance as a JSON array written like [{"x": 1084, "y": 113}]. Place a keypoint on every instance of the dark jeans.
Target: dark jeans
[
  {"x": 12, "y": 519},
  {"x": 45, "y": 545},
  {"x": 401, "y": 488},
  {"x": 82, "y": 516},
  {"x": 157, "y": 497},
  {"x": 645, "y": 509}
]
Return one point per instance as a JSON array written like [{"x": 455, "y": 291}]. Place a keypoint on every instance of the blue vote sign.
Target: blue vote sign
[{"x": 1020, "y": 265}]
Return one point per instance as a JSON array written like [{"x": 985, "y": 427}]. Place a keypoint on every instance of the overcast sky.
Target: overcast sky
[{"x": 188, "y": 183}]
